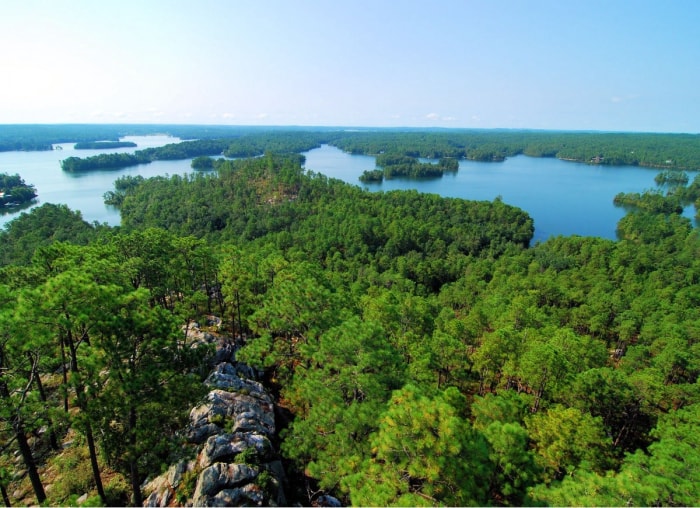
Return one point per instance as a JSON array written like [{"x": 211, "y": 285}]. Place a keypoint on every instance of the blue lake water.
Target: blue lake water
[
  {"x": 563, "y": 198},
  {"x": 83, "y": 191}
]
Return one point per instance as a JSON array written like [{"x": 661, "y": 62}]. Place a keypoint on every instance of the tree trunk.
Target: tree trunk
[
  {"x": 93, "y": 462},
  {"x": 82, "y": 404},
  {"x": 24, "y": 449},
  {"x": 65, "y": 374},
  {"x": 240, "y": 322},
  {"x": 42, "y": 395},
  {"x": 26, "y": 452},
  {"x": 5, "y": 497},
  {"x": 136, "y": 499},
  {"x": 538, "y": 395}
]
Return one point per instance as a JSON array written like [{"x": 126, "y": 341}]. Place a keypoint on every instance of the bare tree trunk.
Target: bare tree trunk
[
  {"x": 93, "y": 462},
  {"x": 5, "y": 497},
  {"x": 42, "y": 395},
  {"x": 136, "y": 499},
  {"x": 82, "y": 404},
  {"x": 26, "y": 452},
  {"x": 65, "y": 374},
  {"x": 24, "y": 449}
]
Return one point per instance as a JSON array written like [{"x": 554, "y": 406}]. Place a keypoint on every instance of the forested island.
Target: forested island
[
  {"x": 104, "y": 145},
  {"x": 15, "y": 192},
  {"x": 664, "y": 151},
  {"x": 412, "y": 349},
  {"x": 396, "y": 165}
]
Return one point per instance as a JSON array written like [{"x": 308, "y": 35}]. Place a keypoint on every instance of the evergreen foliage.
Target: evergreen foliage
[{"x": 427, "y": 354}]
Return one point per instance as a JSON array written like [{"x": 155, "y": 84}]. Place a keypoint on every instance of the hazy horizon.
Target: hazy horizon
[{"x": 624, "y": 66}]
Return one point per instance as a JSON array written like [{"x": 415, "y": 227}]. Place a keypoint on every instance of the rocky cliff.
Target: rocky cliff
[{"x": 231, "y": 457}]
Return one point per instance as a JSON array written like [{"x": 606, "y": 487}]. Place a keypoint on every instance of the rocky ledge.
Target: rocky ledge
[{"x": 232, "y": 431}]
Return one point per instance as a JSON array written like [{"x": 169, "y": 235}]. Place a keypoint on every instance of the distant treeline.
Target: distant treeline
[
  {"x": 173, "y": 151},
  {"x": 244, "y": 146},
  {"x": 665, "y": 151},
  {"x": 103, "y": 145},
  {"x": 669, "y": 151},
  {"x": 34, "y": 137}
]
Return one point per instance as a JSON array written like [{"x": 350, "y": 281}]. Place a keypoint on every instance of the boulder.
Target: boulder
[
  {"x": 251, "y": 413},
  {"x": 163, "y": 487},
  {"x": 247, "y": 495},
  {"x": 226, "y": 447},
  {"x": 327, "y": 501},
  {"x": 220, "y": 476},
  {"x": 227, "y": 376}
]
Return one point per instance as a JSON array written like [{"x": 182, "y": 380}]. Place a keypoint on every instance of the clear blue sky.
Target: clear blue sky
[{"x": 621, "y": 65}]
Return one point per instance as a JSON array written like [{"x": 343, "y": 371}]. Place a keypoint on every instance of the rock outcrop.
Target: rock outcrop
[{"x": 232, "y": 431}]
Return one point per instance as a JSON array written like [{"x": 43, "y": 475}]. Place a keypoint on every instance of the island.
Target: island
[
  {"x": 103, "y": 161},
  {"x": 202, "y": 163},
  {"x": 397, "y": 165},
  {"x": 104, "y": 145},
  {"x": 14, "y": 192}
]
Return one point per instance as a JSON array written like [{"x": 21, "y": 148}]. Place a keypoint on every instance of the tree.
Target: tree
[
  {"x": 338, "y": 398},
  {"x": 146, "y": 379},
  {"x": 609, "y": 394},
  {"x": 515, "y": 468},
  {"x": 19, "y": 405},
  {"x": 665, "y": 476},
  {"x": 672, "y": 465},
  {"x": 566, "y": 439},
  {"x": 424, "y": 453},
  {"x": 300, "y": 304}
]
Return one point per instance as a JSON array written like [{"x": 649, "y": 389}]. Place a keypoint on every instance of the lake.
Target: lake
[
  {"x": 83, "y": 191},
  {"x": 563, "y": 198}
]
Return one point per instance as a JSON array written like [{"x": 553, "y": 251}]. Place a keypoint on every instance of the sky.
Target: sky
[{"x": 610, "y": 65}]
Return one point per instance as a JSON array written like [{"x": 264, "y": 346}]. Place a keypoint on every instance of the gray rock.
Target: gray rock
[
  {"x": 236, "y": 417},
  {"x": 326, "y": 500},
  {"x": 220, "y": 476},
  {"x": 276, "y": 469},
  {"x": 226, "y": 376},
  {"x": 163, "y": 487},
  {"x": 225, "y": 447},
  {"x": 251, "y": 413},
  {"x": 245, "y": 496}
]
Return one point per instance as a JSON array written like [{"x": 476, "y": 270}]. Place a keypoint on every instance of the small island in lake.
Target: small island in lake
[
  {"x": 14, "y": 192},
  {"x": 398, "y": 165},
  {"x": 104, "y": 145}
]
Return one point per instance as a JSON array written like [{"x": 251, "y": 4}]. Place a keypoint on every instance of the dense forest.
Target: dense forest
[
  {"x": 421, "y": 350},
  {"x": 31, "y": 137},
  {"x": 665, "y": 151},
  {"x": 104, "y": 145}
]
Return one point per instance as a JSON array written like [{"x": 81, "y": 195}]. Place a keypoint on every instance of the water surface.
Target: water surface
[
  {"x": 83, "y": 191},
  {"x": 563, "y": 198}
]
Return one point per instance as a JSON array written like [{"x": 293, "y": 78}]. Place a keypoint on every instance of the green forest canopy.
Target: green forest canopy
[
  {"x": 667, "y": 151},
  {"x": 428, "y": 354}
]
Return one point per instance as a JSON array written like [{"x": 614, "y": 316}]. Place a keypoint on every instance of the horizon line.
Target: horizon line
[{"x": 341, "y": 127}]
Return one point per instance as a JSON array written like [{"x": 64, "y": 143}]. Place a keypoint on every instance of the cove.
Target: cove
[{"x": 563, "y": 198}]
